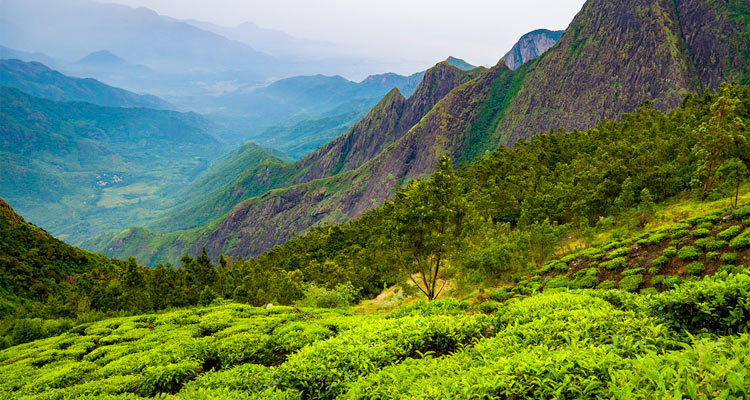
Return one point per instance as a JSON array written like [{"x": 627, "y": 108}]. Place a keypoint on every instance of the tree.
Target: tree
[
  {"x": 717, "y": 136},
  {"x": 427, "y": 224},
  {"x": 734, "y": 172}
]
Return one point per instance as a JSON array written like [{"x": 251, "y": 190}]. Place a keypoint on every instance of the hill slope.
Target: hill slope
[
  {"x": 79, "y": 168},
  {"x": 641, "y": 44},
  {"x": 38, "y": 80},
  {"x": 615, "y": 54}
]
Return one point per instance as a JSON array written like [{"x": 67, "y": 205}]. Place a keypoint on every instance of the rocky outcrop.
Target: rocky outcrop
[{"x": 531, "y": 46}]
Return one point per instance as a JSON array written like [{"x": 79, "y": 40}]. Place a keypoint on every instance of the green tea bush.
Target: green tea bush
[
  {"x": 490, "y": 307},
  {"x": 657, "y": 280},
  {"x": 615, "y": 263},
  {"x": 710, "y": 244},
  {"x": 620, "y": 252},
  {"x": 501, "y": 295},
  {"x": 729, "y": 233},
  {"x": 718, "y": 304},
  {"x": 631, "y": 283},
  {"x": 560, "y": 281},
  {"x": 729, "y": 258},
  {"x": 669, "y": 252},
  {"x": 700, "y": 232},
  {"x": 632, "y": 271},
  {"x": 672, "y": 281},
  {"x": 680, "y": 234},
  {"x": 713, "y": 255},
  {"x": 449, "y": 306},
  {"x": 607, "y": 284},
  {"x": 343, "y": 295},
  {"x": 653, "y": 239},
  {"x": 742, "y": 241},
  {"x": 695, "y": 268},
  {"x": 689, "y": 253}
]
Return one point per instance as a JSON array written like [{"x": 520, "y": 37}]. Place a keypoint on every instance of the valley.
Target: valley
[{"x": 193, "y": 208}]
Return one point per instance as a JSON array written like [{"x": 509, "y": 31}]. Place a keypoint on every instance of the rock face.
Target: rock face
[
  {"x": 531, "y": 46},
  {"x": 617, "y": 53}
]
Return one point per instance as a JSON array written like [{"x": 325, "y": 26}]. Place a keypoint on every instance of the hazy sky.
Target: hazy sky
[{"x": 424, "y": 31}]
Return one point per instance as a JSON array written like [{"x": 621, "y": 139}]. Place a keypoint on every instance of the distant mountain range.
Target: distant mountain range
[
  {"x": 613, "y": 56},
  {"x": 40, "y": 81}
]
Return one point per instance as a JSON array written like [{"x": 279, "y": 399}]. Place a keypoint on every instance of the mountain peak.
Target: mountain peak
[
  {"x": 531, "y": 46},
  {"x": 102, "y": 58},
  {"x": 459, "y": 63}
]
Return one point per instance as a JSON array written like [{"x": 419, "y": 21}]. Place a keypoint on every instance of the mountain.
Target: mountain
[
  {"x": 615, "y": 54},
  {"x": 250, "y": 112},
  {"x": 40, "y": 81},
  {"x": 8, "y": 53},
  {"x": 459, "y": 63},
  {"x": 638, "y": 52},
  {"x": 531, "y": 46},
  {"x": 35, "y": 263},
  {"x": 78, "y": 168}
]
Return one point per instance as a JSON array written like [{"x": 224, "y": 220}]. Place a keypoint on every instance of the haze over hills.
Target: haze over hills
[
  {"x": 39, "y": 80},
  {"x": 499, "y": 107},
  {"x": 78, "y": 168}
]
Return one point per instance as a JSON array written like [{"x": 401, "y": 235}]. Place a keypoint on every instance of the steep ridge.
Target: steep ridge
[
  {"x": 38, "y": 80},
  {"x": 615, "y": 54},
  {"x": 531, "y": 46},
  {"x": 385, "y": 124}
]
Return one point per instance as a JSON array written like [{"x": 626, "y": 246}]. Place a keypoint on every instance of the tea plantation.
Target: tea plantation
[{"x": 689, "y": 342}]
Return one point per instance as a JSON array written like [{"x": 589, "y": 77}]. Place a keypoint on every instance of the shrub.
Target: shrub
[
  {"x": 657, "y": 280},
  {"x": 631, "y": 283},
  {"x": 680, "y": 234},
  {"x": 586, "y": 278},
  {"x": 689, "y": 253},
  {"x": 733, "y": 269},
  {"x": 316, "y": 296},
  {"x": 742, "y": 241},
  {"x": 672, "y": 281},
  {"x": 567, "y": 259},
  {"x": 713, "y": 255},
  {"x": 633, "y": 271},
  {"x": 729, "y": 258},
  {"x": 622, "y": 251},
  {"x": 615, "y": 263},
  {"x": 695, "y": 268},
  {"x": 490, "y": 307},
  {"x": 719, "y": 304},
  {"x": 591, "y": 252},
  {"x": 700, "y": 232},
  {"x": 710, "y": 244},
  {"x": 500, "y": 295},
  {"x": 729, "y": 233},
  {"x": 606, "y": 285},
  {"x": 659, "y": 262},
  {"x": 561, "y": 281},
  {"x": 669, "y": 252},
  {"x": 447, "y": 306}
]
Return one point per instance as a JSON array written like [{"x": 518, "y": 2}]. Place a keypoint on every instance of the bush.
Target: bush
[
  {"x": 622, "y": 251},
  {"x": 606, "y": 285},
  {"x": 669, "y": 252},
  {"x": 713, "y": 255},
  {"x": 729, "y": 233},
  {"x": 672, "y": 281},
  {"x": 633, "y": 271},
  {"x": 700, "y": 233},
  {"x": 689, "y": 253},
  {"x": 342, "y": 296},
  {"x": 729, "y": 258},
  {"x": 695, "y": 268},
  {"x": 657, "y": 280},
  {"x": 719, "y": 304},
  {"x": 742, "y": 241},
  {"x": 447, "y": 306},
  {"x": 710, "y": 244},
  {"x": 680, "y": 234},
  {"x": 561, "y": 281},
  {"x": 615, "y": 263},
  {"x": 490, "y": 307},
  {"x": 631, "y": 283},
  {"x": 501, "y": 295}
]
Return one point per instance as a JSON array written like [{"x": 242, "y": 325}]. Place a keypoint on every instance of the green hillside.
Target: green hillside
[
  {"x": 40, "y": 81},
  {"x": 78, "y": 169}
]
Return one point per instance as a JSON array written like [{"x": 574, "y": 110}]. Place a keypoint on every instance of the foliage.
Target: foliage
[{"x": 689, "y": 253}]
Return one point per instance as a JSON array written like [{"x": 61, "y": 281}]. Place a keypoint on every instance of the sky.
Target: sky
[{"x": 420, "y": 31}]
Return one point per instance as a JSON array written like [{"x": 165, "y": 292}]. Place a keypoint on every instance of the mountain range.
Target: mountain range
[{"x": 612, "y": 57}]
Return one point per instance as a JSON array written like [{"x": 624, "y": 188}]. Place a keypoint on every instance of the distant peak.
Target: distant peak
[
  {"x": 459, "y": 63},
  {"x": 102, "y": 57}
]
